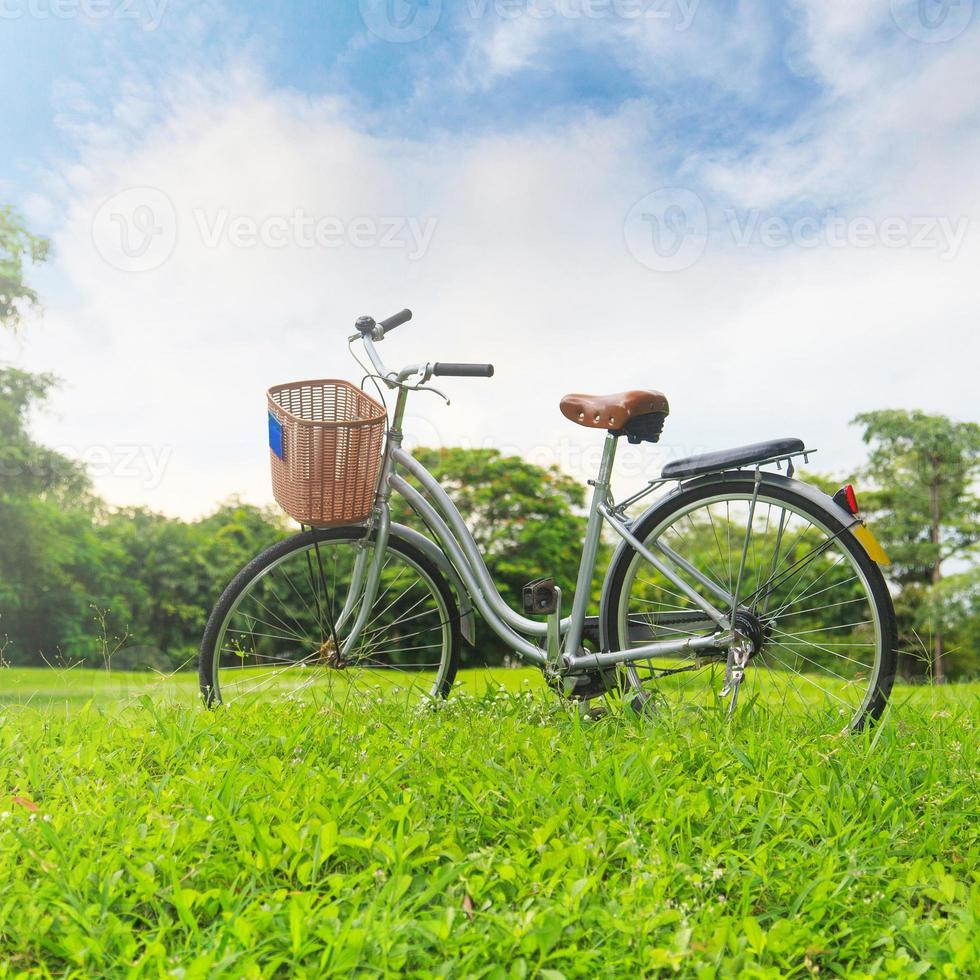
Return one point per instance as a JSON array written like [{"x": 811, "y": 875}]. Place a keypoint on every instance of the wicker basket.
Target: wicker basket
[{"x": 325, "y": 442}]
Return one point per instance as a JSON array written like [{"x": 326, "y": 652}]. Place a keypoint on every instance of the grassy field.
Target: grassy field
[{"x": 501, "y": 835}]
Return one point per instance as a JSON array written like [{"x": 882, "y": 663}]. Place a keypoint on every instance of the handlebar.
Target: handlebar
[
  {"x": 462, "y": 370},
  {"x": 371, "y": 331},
  {"x": 395, "y": 320}
]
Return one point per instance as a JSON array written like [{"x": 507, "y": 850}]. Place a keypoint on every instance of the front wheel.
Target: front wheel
[
  {"x": 286, "y": 625},
  {"x": 813, "y": 605}
]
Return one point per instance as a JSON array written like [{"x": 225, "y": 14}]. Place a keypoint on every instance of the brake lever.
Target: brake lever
[
  {"x": 421, "y": 385},
  {"x": 436, "y": 391},
  {"x": 423, "y": 374}
]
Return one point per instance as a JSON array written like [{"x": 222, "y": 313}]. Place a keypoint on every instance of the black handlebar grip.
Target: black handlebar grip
[
  {"x": 463, "y": 370},
  {"x": 396, "y": 320}
]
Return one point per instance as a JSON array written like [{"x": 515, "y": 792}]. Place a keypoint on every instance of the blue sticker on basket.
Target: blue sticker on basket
[{"x": 275, "y": 435}]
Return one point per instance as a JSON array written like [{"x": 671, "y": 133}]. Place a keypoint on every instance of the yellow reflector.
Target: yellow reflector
[{"x": 870, "y": 544}]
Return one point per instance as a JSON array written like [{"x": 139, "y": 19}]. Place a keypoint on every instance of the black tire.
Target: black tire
[
  {"x": 879, "y": 686},
  {"x": 301, "y": 542}
]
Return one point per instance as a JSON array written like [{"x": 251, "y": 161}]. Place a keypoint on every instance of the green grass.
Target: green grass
[
  {"x": 68, "y": 689},
  {"x": 501, "y": 835}
]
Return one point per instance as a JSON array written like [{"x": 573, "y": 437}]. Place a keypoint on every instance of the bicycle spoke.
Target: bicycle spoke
[
  {"x": 276, "y": 641},
  {"x": 817, "y": 646},
  {"x": 806, "y": 612},
  {"x": 829, "y": 605}
]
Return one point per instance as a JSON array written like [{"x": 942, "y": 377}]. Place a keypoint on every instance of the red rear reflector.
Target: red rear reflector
[{"x": 852, "y": 501}]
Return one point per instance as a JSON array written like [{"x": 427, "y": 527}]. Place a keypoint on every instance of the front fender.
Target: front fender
[{"x": 820, "y": 500}]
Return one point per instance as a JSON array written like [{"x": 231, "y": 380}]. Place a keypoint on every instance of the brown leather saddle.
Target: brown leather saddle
[{"x": 639, "y": 415}]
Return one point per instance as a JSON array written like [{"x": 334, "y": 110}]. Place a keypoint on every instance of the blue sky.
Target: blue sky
[
  {"x": 597, "y": 194},
  {"x": 412, "y": 88},
  {"x": 718, "y": 77}
]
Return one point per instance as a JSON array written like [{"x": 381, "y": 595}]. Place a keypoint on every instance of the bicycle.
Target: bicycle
[{"x": 739, "y": 578}]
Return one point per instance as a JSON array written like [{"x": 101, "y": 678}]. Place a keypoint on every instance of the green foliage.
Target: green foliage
[
  {"x": 954, "y": 603},
  {"x": 49, "y": 569},
  {"x": 26, "y": 467},
  {"x": 16, "y": 245},
  {"x": 77, "y": 581},
  {"x": 50, "y": 551},
  {"x": 502, "y": 836},
  {"x": 926, "y": 511},
  {"x": 168, "y": 573},
  {"x": 925, "y": 469}
]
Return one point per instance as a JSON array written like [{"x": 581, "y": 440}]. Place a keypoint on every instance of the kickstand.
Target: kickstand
[{"x": 735, "y": 673}]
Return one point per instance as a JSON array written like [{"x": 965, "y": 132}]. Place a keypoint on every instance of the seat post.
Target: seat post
[{"x": 590, "y": 547}]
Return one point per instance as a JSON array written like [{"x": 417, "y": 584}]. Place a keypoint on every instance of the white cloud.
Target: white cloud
[
  {"x": 665, "y": 42},
  {"x": 895, "y": 126}
]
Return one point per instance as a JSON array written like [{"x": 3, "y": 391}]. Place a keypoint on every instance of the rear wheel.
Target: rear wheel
[
  {"x": 812, "y": 603},
  {"x": 282, "y": 626}
]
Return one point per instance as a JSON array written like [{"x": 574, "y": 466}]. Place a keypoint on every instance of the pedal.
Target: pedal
[{"x": 540, "y": 597}]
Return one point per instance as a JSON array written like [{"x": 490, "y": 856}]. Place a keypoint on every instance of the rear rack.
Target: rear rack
[{"x": 778, "y": 459}]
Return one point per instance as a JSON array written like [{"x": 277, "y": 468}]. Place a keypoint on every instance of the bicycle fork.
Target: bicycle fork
[{"x": 369, "y": 562}]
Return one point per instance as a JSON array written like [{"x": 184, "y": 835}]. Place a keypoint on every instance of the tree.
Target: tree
[
  {"x": 925, "y": 468},
  {"x": 39, "y": 488},
  {"x": 165, "y": 574},
  {"x": 16, "y": 245},
  {"x": 27, "y": 467}
]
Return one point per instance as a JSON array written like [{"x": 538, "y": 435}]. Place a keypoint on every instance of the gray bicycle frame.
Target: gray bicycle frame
[{"x": 562, "y": 636}]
